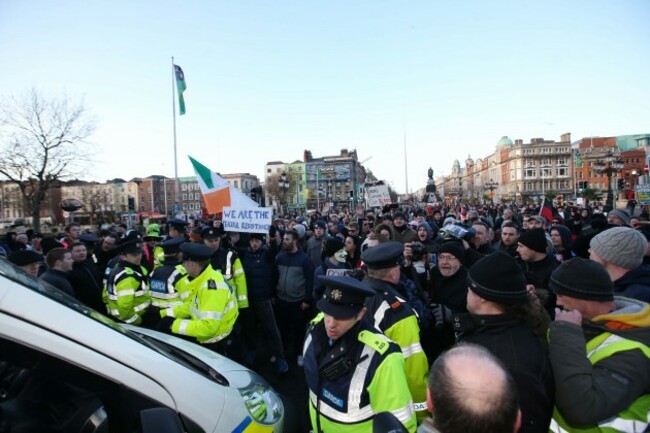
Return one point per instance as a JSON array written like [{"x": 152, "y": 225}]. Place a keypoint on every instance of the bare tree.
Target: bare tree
[
  {"x": 281, "y": 195},
  {"x": 40, "y": 144}
]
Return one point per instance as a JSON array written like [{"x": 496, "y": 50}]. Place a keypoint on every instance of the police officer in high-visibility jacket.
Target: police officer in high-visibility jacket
[
  {"x": 126, "y": 293},
  {"x": 599, "y": 345},
  {"x": 353, "y": 371},
  {"x": 211, "y": 312},
  {"x": 227, "y": 262},
  {"x": 168, "y": 288},
  {"x": 393, "y": 316},
  {"x": 176, "y": 228}
]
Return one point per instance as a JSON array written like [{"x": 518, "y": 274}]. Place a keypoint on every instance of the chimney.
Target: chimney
[
  {"x": 306, "y": 156},
  {"x": 519, "y": 142},
  {"x": 566, "y": 137},
  {"x": 344, "y": 153}
]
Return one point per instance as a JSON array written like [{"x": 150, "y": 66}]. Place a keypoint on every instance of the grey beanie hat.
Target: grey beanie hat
[
  {"x": 620, "y": 246},
  {"x": 624, "y": 216}
]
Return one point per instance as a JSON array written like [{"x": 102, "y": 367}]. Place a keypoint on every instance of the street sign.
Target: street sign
[{"x": 176, "y": 208}]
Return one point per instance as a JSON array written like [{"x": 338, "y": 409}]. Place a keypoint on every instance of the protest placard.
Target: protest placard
[
  {"x": 248, "y": 220},
  {"x": 378, "y": 195},
  {"x": 643, "y": 194}
]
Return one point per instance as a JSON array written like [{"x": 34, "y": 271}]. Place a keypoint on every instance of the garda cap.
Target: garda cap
[
  {"x": 344, "y": 296},
  {"x": 196, "y": 252},
  {"x": 384, "y": 256}
]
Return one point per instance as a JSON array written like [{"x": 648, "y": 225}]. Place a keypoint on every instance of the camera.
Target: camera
[{"x": 418, "y": 250}]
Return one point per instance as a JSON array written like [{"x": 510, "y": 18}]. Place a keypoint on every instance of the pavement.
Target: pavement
[{"x": 292, "y": 388}]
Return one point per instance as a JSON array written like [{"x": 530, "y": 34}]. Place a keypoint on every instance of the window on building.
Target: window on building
[
  {"x": 184, "y": 197},
  {"x": 191, "y": 206},
  {"x": 236, "y": 184},
  {"x": 184, "y": 187},
  {"x": 561, "y": 171},
  {"x": 546, "y": 172},
  {"x": 530, "y": 172},
  {"x": 184, "y": 206},
  {"x": 512, "y": 174},
  {"x": 561, "y": 161}
]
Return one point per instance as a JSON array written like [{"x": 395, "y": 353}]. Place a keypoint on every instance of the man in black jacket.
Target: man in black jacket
[
  {"x": 503, "y": 319},
  {"x": 59, "y": 264},
  {"x": 259, "y": 265},
  {"x": 85, "y": 279}
]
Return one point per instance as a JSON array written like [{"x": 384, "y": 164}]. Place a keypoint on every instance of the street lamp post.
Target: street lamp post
[
  {"x": 609, "y": 166},
  {"x": 283, "y": 184},
  {"x": 491, "y": 186}
]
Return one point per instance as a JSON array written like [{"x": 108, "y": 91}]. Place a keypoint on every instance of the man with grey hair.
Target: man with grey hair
[
  {"x": 470, "y": 391},
  {"x": 621, "y": 250}
]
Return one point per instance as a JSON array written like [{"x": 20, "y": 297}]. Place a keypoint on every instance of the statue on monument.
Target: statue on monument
[{"x": 430, "y": 173}]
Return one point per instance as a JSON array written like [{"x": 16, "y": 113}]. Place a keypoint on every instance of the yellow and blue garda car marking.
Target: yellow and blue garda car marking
[{"x": 248, "y": 426}]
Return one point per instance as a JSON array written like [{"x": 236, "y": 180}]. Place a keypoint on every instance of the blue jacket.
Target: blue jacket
[{"x": 295, "y": 277}]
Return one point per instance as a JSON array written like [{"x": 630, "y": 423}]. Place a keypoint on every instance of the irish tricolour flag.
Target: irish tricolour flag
[{"x": 217, "y": 192}]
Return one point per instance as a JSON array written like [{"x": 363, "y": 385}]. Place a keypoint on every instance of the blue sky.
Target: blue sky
[{"x": 266, "y": 80}]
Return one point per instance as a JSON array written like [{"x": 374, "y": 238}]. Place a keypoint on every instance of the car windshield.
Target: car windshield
[{"x": 19, "y": 276}]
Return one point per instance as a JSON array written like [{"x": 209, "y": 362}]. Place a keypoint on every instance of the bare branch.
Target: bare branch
[{"x": 40, "y": 143}]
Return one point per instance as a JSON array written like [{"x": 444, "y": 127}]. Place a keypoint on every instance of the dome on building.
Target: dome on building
[
  {"x": 504, "y": 141},
  {"x": 456, "y": 163}
]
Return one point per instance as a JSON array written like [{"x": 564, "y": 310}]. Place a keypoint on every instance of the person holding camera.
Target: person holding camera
[{"x": 446, "y": 289}]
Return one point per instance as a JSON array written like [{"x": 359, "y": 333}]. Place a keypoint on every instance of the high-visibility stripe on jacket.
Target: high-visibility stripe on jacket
[
  {"x": 375, "y": 383},
  {"x": 211, "y": 312},
  {"x": 394, "y": 317},
  {"x": 127, "y": 293},
  {"x": 239, "y": 278},
  {"x": 635, "y": 418}
]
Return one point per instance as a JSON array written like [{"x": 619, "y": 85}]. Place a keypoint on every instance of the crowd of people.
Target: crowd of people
[{"x": 444, "y": 318}]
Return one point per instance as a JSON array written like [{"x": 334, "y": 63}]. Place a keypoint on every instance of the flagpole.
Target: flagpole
[{"x": 176, "y": 185}]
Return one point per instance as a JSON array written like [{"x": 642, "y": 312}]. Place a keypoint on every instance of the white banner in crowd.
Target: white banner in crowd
[
  {"x": 378, "y": 195},
  {"x": 248, "y": 220}
]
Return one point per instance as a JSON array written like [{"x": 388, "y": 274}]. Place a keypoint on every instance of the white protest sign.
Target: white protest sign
[
  {"x": 248, "y": 220},
  {"x": 338, "y": 272},
  {"x": 378, "y": 195}
]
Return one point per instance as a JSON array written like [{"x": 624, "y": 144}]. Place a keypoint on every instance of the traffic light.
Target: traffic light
[
  {"x": 253, "y": 194},
  {"x": 621, "y": 184},
  {"x": 131, "y": 203}
]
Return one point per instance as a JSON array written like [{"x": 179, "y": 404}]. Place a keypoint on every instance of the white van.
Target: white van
[{"x": 67, "y": 368}]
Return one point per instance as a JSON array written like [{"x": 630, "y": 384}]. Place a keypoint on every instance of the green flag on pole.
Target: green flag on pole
[{"x": 180, "y": 86}]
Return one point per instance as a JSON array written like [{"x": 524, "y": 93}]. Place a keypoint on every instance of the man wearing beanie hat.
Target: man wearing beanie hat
[
  {"x": 27, "y": 260},
  {"x": 346, "y": 356},
  {"x": 503, "y": 319},
  {"x": 599, "y": 346},
  {"x": 618, "y": 217},
  {"x": 621, "y": 250},
  {"x": 315, "y": 243},
  {"x": 403, "y": 233},
  {"x": 537, "y": 264}
]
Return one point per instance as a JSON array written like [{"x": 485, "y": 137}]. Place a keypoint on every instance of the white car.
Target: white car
[{"x": 67, "y": 368}]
